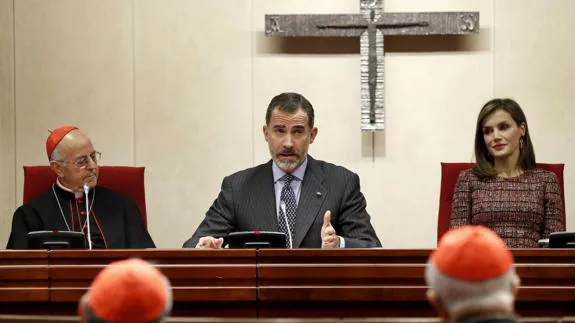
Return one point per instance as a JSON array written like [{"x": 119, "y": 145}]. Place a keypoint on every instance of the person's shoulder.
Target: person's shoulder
[
  {"x": 108, "y": 191},
  {"x": 330, "y": 168},
  {"x": 112, "y": 195},
  {"x": 249, "y": 173},
  {"x": 467, "y": 175},
  {"x": 38, "y": 201},
  {"x": 543, "y": 174},
  {"x": 36, "y": 205}
]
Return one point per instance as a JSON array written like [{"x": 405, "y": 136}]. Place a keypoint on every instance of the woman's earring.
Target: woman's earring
[{"x": 521, "y": 143}]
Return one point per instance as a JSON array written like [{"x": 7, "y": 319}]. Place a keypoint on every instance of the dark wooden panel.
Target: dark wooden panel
[
  {"x": 24, "y": 294},
  {"x": 340, "y": 274},
  {"x": 203, "y": 281},
  {"x": 340, "y": 256},
  {"x": 551, "y": 294},
  {"x": 345, "y": 309},
  {"x": 540, "y": 274},
  {"x": 197, "y": 282},
  {"x": 23, "y": 257},
  {"x": 275, "y": 283},
  {"x": 179, "y": 275},
  {"x": 549, "y": 256},
  {"x": 157, "y": 256},
  {"x": 37, "y": 318},
  {"x": 387, "y": 301},
  {"x": 403, "y": 256},
  {"x": 394, "y": 274},
  {"x": 321, "y": 283},
  {"x": 24, "y": 277},
  {"x": 342, "y": 294},
  {"x": 393, "y": 294},
  {"x": 24, "y": 272}
]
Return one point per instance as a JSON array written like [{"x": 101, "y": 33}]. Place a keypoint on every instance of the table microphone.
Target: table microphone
[
  {"x": 86, "y": 190},
  {"x": 283, "y": 208}
]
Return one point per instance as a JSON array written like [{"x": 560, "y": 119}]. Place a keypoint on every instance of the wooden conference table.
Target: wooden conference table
[{"x": 270, "y": 283}]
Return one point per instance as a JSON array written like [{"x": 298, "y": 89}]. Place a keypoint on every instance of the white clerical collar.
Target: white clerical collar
[{"x": 76, "y": 194}]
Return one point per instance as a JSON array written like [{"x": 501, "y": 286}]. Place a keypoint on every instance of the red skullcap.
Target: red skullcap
[
  {"x": 472, "y": 253},
  {"x": 55, "y": 137},
  {"x": 129, "y": 291}
]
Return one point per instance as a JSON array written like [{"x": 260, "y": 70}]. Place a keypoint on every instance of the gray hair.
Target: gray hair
[
  {"x": 459, "y": 296},
  {"x": 56, "y": 154}
]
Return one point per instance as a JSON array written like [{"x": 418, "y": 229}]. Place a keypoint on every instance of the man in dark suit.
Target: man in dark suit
[{"x": 316, "y": 204}]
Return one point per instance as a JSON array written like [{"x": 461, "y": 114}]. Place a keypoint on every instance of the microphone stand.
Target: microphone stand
[
  {"x": 283, "y": 207},
  {"x": 86, "y": 190}
]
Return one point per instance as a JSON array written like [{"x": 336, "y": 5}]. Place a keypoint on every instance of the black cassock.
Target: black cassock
[{"x": 115, "y": 220}]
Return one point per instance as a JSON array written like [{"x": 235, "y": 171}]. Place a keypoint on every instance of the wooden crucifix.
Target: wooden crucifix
[{"x": 371, "y": 25}]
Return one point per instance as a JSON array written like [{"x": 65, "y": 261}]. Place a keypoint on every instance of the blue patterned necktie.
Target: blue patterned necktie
[{"x": 287, "y": 198}]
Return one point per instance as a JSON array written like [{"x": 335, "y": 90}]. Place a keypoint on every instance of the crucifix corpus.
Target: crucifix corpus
[{"x": 371, "y": 25}]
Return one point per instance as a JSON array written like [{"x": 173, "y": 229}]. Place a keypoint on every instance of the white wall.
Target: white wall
[
  {"x": 7, "y": 118},
  {"x": 181, "y": 87}
]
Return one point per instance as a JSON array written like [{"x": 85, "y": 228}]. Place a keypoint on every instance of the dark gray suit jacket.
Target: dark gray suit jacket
[{"x": 247, "y": 202}]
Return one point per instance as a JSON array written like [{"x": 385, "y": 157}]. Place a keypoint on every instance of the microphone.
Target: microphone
[
  {"x": 86, "y": 190},
  {"x": 283, "y": 208}
]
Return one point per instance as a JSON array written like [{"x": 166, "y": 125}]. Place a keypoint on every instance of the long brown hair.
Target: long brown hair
[{"x": 485, "y": 164}]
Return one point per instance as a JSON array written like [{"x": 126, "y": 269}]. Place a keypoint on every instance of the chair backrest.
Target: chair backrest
[
  {"x": 126, "y": 179},
  {"x": 449, "y": 174}
]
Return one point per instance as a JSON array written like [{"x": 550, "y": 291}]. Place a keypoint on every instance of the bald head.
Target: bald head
[{"x": 71, "y": 142}]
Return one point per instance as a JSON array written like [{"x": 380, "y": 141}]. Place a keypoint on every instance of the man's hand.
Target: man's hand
[
  {"x": 329, "y": 239},
  {"x": 210, "y": 243}
]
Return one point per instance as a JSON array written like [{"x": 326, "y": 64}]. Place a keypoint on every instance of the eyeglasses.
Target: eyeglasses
[{"x": 84, "y": 161}]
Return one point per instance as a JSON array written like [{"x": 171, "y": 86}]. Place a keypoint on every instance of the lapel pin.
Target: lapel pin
[{"x": 318, "y": 194}]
